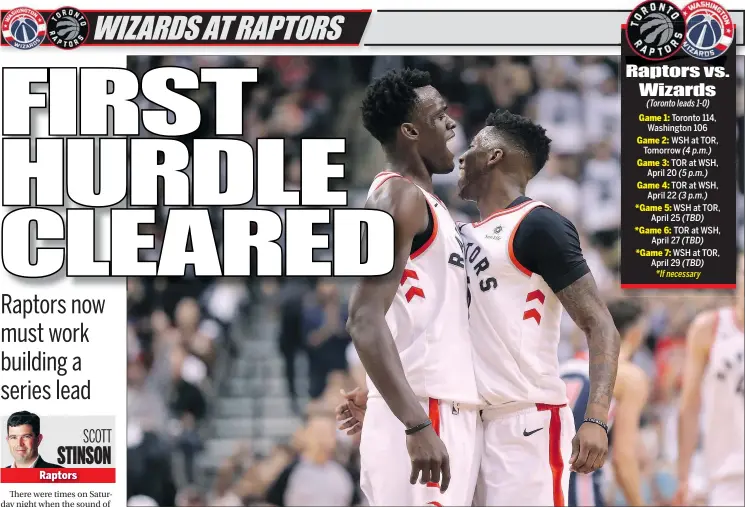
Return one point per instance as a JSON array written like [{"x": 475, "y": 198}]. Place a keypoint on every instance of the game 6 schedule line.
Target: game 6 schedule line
[{"x": 678, "y": 172}]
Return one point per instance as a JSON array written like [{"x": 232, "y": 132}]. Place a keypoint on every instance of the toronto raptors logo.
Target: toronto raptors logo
[{"x": 655, "y": 30}]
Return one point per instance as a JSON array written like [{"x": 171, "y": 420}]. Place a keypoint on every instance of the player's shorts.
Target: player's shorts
[
  {"x": 728, "y": 492},
  {"x": 526, "y": 455},
  {"x": 386, "y": 465}
]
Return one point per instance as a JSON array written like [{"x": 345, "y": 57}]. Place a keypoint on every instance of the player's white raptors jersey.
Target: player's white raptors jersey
[
  {"x": 722, "y": 398},
  {"x": 514, "y": 315},
  {"x": 429, "y": 317}
]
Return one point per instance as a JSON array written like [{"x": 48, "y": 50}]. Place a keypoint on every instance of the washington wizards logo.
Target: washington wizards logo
[
  {"x": 709, "y": 30},
  {"x": 24, "y": 28},
  {"x": 655, "y": 30}
]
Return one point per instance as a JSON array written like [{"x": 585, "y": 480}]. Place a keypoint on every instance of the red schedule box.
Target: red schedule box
[{"x": 58, "y": 475}]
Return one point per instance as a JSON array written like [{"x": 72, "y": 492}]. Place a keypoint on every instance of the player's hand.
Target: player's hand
[
  {"x": 681, "y": 496},
  {"x": 589, "y": 448},
  {"x": 351, "y": 412},
  {"x": 430, "y": 457}
]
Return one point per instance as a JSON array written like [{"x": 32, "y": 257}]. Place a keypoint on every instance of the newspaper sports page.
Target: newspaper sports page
[{"x": 378, "y": 253}]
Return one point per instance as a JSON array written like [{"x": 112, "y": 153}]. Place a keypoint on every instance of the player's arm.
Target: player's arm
[
  {"x": 548, "y": 244},
  {"x": 698, "y": 343},
  {"x": 372, "y": 297},
  {"x": 582, "y": 302},
  {"x": 631, "y": 394}
]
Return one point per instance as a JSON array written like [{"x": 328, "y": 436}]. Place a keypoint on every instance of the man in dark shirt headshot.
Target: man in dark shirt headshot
[{"x": 24, "y": 436}]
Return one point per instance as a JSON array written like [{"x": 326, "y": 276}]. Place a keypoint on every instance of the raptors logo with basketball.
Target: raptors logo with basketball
[
  {"x": 709, "y": 30},
  {"x": 655, "y": 30}
]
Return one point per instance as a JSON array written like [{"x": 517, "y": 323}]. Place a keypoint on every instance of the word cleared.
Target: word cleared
[{"x": 224, "y": 172}]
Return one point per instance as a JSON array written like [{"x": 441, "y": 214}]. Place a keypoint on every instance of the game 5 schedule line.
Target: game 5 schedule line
[{"x": 678, "y": 172}]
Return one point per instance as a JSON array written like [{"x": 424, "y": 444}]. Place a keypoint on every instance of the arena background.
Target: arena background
[{"x": 212, "y": 419}]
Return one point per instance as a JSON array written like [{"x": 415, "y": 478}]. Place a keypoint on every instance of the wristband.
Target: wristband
[
  {"x": 598, "y": 422},
  {"x": 418, "y": 427}
]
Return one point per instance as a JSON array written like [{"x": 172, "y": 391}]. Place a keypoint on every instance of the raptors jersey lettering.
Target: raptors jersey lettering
[
  {"x": 722, "y": 398},
  {"x": 428, "y": 317},
  {"x": 514, "y": 315}
]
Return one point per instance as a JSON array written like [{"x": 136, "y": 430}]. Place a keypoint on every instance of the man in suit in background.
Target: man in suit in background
[{"x": 24, "y": 437}]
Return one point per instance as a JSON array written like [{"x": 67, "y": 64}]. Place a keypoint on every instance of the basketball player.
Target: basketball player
[
  {"x": 713, "y": 381},
  {"x": 410, "y": 327},
  {"x": 630, "y": 395},
  {"x": 519, "y": 280},
  {"x": 524, "y": 263}
]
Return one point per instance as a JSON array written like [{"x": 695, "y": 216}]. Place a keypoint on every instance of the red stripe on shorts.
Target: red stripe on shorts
[
  {"x": 434, "y": 416},
  {"x": 554, "y": 451}
]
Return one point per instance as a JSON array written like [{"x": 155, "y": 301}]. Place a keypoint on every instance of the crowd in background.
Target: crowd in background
[{"x": 183, "y": 332}]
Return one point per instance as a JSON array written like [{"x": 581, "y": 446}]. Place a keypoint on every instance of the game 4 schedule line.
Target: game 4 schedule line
[{"x": 678, "y": 172}]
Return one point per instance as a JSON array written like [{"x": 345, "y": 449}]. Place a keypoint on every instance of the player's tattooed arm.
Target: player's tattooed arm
[
  {"x": 372, "y": 297},
  {"x": 584, "y": 305}
]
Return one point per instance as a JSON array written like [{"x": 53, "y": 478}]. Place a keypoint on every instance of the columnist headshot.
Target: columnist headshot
[{"x": 24, "y": 437}]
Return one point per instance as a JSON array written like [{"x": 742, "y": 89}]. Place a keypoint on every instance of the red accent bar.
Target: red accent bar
[
  {"x": 554, "y": 450},
  {"x": 408, "y": 273},
  {"x": 536, "y": 294},
  {"x": 532, "y": 314},
  {"x": 434, "y": 416},
  {"x": 58, "y": 475},
  {"x": 678, "y": 286},
  {"x": 414, "y": 291}
]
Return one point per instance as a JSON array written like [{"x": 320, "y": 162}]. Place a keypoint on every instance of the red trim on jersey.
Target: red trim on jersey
[
  {"x": 386, "y": 177},
  {"x": 436, "y": 504},
  {"x": 555, "y": 460},
  {"x": 434, "y": 416},
  {"x": 504, "y": 212},
  {"x": 536, "y": 294},
  {"x": 414, "y": 291},
  {"x": 408, "y": 273},
  {"x": 532, "y": 314},
  {"x": 435, "y": 227},
  {"x": 511, "y": 250}
]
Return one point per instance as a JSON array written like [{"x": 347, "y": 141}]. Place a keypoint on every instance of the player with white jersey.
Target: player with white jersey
[
  {"x": 524, "y": 265},
  {"x": 630, "y": 395},
  {"x": 713, "y": 382},
  {"x": 410, "y": 327}
]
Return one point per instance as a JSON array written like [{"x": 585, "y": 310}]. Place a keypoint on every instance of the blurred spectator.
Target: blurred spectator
[
  {"x": 325, "y": 337},
  {"x": 315, "y": 478}
]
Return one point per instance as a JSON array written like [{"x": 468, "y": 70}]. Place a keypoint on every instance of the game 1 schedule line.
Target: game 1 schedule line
[{"x": 678, "y": 172}]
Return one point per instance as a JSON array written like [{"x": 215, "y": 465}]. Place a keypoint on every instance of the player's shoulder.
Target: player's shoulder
[
  {"x": 542, "y": 212},
  {"x": 703, "y": 328},
  {"x": 394, "y": 192}
]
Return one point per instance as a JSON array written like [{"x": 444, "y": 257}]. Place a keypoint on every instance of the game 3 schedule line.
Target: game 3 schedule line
[{"x": 678, "y": 172}]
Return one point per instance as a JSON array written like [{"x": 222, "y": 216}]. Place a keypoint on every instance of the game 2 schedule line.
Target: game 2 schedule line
[{"x": 678, "y": 172}]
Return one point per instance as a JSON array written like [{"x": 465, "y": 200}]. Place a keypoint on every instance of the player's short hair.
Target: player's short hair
[
  {"x": 24, "y": 417},
  {"x": 625, "y": 313},
  {"x": 528, "y": 137},
  {"x": 389, "y": 101}
]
